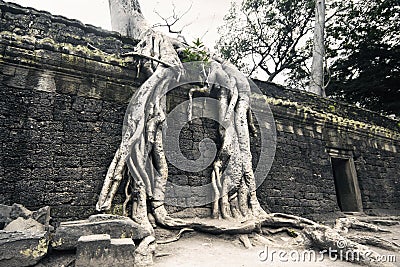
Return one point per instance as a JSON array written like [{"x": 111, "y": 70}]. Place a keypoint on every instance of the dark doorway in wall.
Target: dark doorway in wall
[{"x": 346, "y": 185}]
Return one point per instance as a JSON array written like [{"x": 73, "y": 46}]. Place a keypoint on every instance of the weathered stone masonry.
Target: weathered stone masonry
[
  {"x": 311, "y": 130},
  {"x": 63, "y": 94},
  {"x": 62, "y": 106}
]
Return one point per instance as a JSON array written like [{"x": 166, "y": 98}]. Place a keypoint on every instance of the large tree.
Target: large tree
[
  {"x": 142, "y": 144},
  {"x": 267, "y": 36},
  {"x": 364, "y": 49},
  {"x": 141, "y": 160}
]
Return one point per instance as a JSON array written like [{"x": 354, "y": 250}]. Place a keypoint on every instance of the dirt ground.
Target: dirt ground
[
  {"x": 203, "y": 250},
  {"x": 197, "y": 249}
]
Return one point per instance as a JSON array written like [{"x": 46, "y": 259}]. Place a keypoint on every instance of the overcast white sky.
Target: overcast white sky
[{"x": 205, "y": 15}]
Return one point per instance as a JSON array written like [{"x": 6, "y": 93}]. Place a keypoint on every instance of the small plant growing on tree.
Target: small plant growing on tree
[{"x": 196, "y": 52}]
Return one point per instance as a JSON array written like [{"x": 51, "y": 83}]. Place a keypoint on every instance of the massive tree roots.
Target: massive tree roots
[{"x": 141, "y": 160}]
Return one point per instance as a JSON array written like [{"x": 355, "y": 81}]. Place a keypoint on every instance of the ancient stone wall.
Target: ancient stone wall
[
  {"x": 310, "y": 132},
  {"x": 62, "y": 104},
  {"x": 63, "y": 93}
]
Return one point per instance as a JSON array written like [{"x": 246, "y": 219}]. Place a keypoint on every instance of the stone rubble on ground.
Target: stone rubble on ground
[
  {"x": 68, "y": 233},
  {"x": 102, "y": 239},
  {"x": 24, "y": 236}
]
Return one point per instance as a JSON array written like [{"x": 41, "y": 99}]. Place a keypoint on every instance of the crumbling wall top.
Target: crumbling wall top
[{"x": 26, "y": 21}]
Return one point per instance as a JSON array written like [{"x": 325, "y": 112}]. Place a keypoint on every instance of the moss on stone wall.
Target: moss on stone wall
[{"x": 302, "y": 109}]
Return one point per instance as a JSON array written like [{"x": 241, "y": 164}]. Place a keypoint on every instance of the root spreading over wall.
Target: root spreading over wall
[
  {"x": 141, "y": 149},
  {"x": 141, "y": 160}
]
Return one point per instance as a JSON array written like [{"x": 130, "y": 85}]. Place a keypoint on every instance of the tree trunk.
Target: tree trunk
[
  {"x": 136, "y": 151},
  {"x": 141, "y": 161},
  {"x": 127, "y": 18},
  {"x": 317, "y": 85}
]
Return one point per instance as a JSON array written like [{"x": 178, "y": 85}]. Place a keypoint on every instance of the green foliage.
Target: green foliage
[
  {"x": 271, "y": 37},
  {"x": 267, "y": 36},
  {"x": 364, "y": 47},
  {"x": 196, "y": 52}
]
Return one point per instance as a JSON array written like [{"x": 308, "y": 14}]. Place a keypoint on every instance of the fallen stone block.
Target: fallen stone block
[
  {"x": 122, "y": 250},
  {"x": 11, "y": 213},
  {"x": 91, "y": 250},
  {"x": 101, "y": 250},
  {"x": 21, "y": 225},
  {"x": 58, "y": 259},
  {"x": 67, "y": 234},
  {"x": 18, "y": 249}
]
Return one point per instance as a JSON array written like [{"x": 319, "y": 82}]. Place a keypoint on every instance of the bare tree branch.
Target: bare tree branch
[{"x": 171, "y": 21}]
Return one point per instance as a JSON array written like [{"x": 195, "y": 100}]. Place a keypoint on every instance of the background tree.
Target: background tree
[
  {"x": 267, "y": 36},
  {"x": 364, "y": 52},
  {"x": 362, "y": 47},
  {"x": 317, "y": 84}
]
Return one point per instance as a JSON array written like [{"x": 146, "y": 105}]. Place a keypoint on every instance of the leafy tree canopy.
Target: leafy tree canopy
[
  {"x": 267, "y": 36},
  {"x": 364, "y": 53},
  {"x": 272, "y": 37}
]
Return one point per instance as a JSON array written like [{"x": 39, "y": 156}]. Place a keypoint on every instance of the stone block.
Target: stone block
[
  {"x": 68, "y": 233},
  {"x": 21, "y": 217},
  {"x": 122, "y": 251},
  {"x": 180, "y": 180},
  {"x": 91, "y": 250},
  {"x": 24, "y": 225},
  {"x": 18, "y": 249},
  {"x": 101, "y": 250},
  {"x": 196, "y": 201}
]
